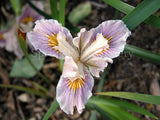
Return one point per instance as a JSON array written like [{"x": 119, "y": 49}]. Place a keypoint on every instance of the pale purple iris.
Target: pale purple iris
[
  {"x": 94, "y": 48},
  {"x": 25, "y": 22}
]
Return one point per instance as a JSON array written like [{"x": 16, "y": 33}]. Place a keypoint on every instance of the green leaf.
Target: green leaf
[
  {"x": 17, "y": 7},
  {"x": 103, "y": 113},
  {"x": 142, "y": 53},
  {"x": 80, "y": 12},
  {"x": 23, "y": 47},
  {"x": 61, "y": 17},
  {"x": 126, "y": 8},
  {"x": 53, "y": 6},
  {"x": 53, "y": 107},
  {"x": 134, "y": 96},
  {"x": 141, "y": 12},
  {"x": 121, "y": 104},
  {"x": 22, "y": 68},
  {"x": 117, "y": 113},
  {"x": 25, "y": 89},
  {"x": 39, "y": 86}
]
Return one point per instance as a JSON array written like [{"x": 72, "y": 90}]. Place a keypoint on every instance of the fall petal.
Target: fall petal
[
  {"x": 116, "y": 33},
  {"x": 77, "y": 93},
  {"x": 44, "y": 37}
]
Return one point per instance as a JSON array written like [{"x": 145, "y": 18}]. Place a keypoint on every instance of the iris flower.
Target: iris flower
[
  {"x": 84, "y": 56},
  {"x": 25, "y": 22}
]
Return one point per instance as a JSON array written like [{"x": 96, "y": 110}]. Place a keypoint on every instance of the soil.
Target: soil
[{"x": 128, "y": 73}]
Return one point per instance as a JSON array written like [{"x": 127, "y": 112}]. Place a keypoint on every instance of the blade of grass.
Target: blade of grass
[
  {"x": 53, "y": 6},
  {"x": 61, "y": 17},
  {"x": 39, "y": 86},
  {"x": 93, "y": 106},
  {"x": 53, "y": 107},
  {"x": 25, "y": 89},
  {"x": 142, "y": 53},
  {"x": 23, "y": 47},
  {"x": 100, "y": 87},
  {"x": 16, "y": 5},
  {"x": 126, "y": 8},
  {"x": 121, "y": 104},
  {"x": 134, "y": 96},
  {"x": 141, "y": 12},
  {"x": 38, "y": 10},
  {"x": 117, "y": 112}
]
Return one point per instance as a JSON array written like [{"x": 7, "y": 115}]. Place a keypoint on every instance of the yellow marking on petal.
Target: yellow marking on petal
[
  {"x": 27, "y": 19},
  {"x": 105, "y": 49},
  {"x": 52, "y": 40},
  {"x": 78, "y": 83},
  {"x": 1, "y": 36}
]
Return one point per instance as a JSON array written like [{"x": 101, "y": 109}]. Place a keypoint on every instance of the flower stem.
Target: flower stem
[{"x": 23, "y": 47}]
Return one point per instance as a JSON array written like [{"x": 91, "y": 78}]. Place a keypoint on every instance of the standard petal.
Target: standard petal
[
  {"x": 94, "y": 48},
  {"x": 98, "y": 64},
  {"x": 116, "y": 33},
  {"x": 77, "y": 93},
  {"x": 44, "y": 37},
  {"x": 65, "y": 47},
  {"x": 72, "y": 70},
  {"x": 82, "y": 41}
]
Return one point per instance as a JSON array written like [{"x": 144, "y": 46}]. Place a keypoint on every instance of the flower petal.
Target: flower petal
[
  {"x": 12, "y": 43},
  {"x": 71, "y": 70},
  {"x": 77, "y": 93},
  {"x": 98, "y": 64},
  {"x": 29, "y": 14},
  {"x": 65, "y": 47},
  {"x": 2, "y": 40},
  {"x": 95, "y": 47},
  {"x": 116, "y": 33},
  {"x": 44, "y": 37}
]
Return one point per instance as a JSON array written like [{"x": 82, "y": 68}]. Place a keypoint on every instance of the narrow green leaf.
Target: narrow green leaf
[
  {"x": 101, "y": 82},
  {"x": 134, "y": 96},
  {"x": 93, "y": 115},
  {"x": 141, "y": 12},
  {"x": 25, "y": 89},
  {"x": 16, "y": 5},
  {"x": 117, "y": 113},
  {"x": 53, "y": 107},
  {"x": 22, "y": 68},
  {"x": 93, "y": 106},
  {"x": 61, "y": 18},
  {"x": 121, "y": 104},
  {"x": 142, "y": 53},
  {"x": 23, "y": 47},
  {"x": 79, "y": 12},
  {"x": 119, "y": 5},
  {"x": 39, "y": 86},
  {"x": 72, "y": 28},
  {"x": 126, "y": 8},
  {"x": 53, "y": 6}
]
